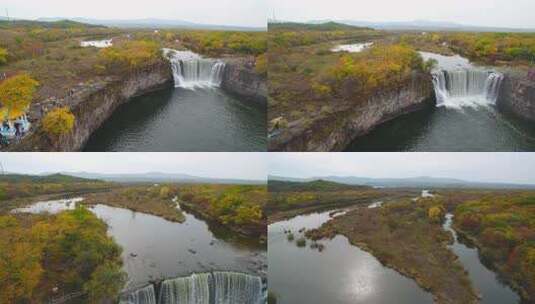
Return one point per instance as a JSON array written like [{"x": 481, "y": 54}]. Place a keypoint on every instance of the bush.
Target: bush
[
  {"x": 3, "y": 56},
  {"x": 301, "y": 242},
  {"x": 435, "y": 214},
  {"x": 290, "y": 237},
  {"x": 58, "y": 121},
  {"x": 16, "y": 94},
  {"x": 130, "y": 54},
  {"x": 261, "y": 64}
]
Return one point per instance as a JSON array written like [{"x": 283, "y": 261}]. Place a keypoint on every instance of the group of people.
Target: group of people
[{"x": 13, "y": 129}]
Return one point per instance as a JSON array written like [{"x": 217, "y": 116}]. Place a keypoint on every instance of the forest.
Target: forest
[
  {"x": 487, "y": 48},
  {"x": 45, "y": 257},
  {"x": 503, "y": 228},
  {"x": 238, "y": 207}
]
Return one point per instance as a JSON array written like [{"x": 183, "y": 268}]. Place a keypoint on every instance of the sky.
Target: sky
[
  {"x": 483, "y": 167},
  {"x": 496, "y": 13},
  {"x": 251, "y": 166},
  {"x": 219, "y": 12}
]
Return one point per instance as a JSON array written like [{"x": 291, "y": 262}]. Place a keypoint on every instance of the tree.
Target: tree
[
  {"x": 16, "y": 94},
  {"x": 435, "y": 214},
  {"x": 106, "y": 282},
  {"x": 58, "y": 121},
  {"x": 165, "y": 192},
  {"x": 3, "y": 56},
  {"x": 261, "y": 66}
]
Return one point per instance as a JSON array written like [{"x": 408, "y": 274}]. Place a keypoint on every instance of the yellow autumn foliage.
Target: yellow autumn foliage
[
  {"x": 58, "y": 121},
  {"x": 16, "y": 94}
]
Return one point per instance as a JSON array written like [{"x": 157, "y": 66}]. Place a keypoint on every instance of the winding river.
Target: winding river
[
  {"x": 194, "y": 115},
  {"x": 486, "y": 282},
  {"x": 155, "y": 249},
  {"x": 465, "y": 117}
]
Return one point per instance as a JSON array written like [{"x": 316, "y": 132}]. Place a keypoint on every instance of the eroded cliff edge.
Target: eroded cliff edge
[
  {"x": 336, "y": 131},
  {"x": 517, "y": 95},
  {"x": 97, "y": 105},
  {"x": 241, "y": 79},
  {"x": 98, "y": 100}
]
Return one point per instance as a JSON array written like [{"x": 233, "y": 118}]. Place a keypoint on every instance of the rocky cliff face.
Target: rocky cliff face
[
  {"x": 92, "y": 110},
  {"x": 337, "y": 131},
  {"x": 241, "y": 79},
  {"x": 517, "y": 95}
]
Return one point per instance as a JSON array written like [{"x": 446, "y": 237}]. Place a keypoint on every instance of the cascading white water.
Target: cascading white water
[
  {"x": 466, "y": 87},
  {"x": 204, "y": 288},
  {"x": 190, "y": 70},
  {"x": 144, "y": 295},
  {"x": 189, "y": 290},
  {"x": 231, "y": 287}
]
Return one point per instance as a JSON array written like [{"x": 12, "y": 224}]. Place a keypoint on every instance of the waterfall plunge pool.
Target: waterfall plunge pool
[
  {"x": 179, "y": 250},
  {"x": 465, "y": 118},
  {"x": 195, "y": 115}
]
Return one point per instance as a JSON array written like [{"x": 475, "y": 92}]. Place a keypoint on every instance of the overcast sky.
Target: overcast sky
[
  {"x": 498, "y": 13},
  {"x": 487, "y": 167},
  {"x": 216, "y": 165},
  {"x": 220, "y": 12}
]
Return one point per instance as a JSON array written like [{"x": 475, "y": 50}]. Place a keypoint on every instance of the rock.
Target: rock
[
  {"x": 192, "y": 251},
  {"x": 362, "y": 117},
  {"x": 242, "y": 80},
  {"x": 517, "y": 95}
]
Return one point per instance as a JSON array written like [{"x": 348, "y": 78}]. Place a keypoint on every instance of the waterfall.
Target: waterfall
[
  {"x": 466, "y": 87},
  {"x": 190, "y": 70},
  {"x": 204, "y": 288},
  {"x": 144, "y": 295},
  {"x": 231, "y": 287},
  {"x": 189, "y": 290}
]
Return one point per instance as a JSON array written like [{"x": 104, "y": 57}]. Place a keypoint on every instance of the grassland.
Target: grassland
[{"x": 288, "y": 199}]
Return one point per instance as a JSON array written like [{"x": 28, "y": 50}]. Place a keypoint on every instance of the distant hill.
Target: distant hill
[
  {"x": 157, "y": 177},
  {"x": 425, "y": 25},
  {"x": 52, "y": 178},
  {"x": 60, "y": 23},
  {"x": 155, "y": 23},
  {"x": 316, "y": 185},
  {"x": 323, "y": 26},
  {"x": 414, "y": 182}
]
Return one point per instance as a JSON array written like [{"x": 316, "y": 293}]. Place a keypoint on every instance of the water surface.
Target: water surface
[
  {"x": 179, "y": 119},
  {"x": 486, "y": 282},
  {"x": 340, "y": 274}
]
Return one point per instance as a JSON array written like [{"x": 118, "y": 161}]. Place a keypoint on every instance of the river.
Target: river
[
  {"x": 465, "y": 117},
  {"x": 486, "y": 282},
  {"x": 156, "y": 249}
]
